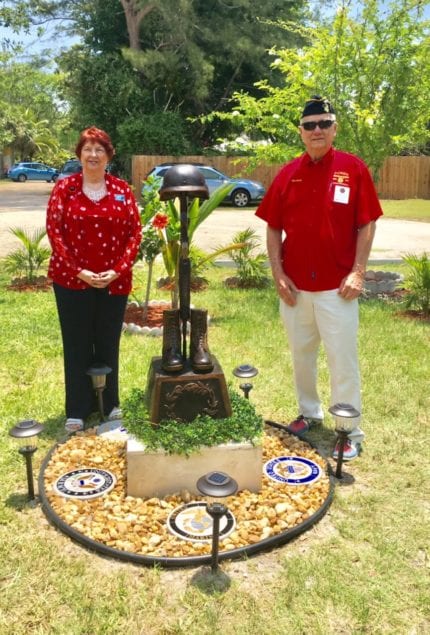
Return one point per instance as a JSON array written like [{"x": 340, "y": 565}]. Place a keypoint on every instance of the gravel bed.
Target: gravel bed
[{"x": 139, "y": 525}]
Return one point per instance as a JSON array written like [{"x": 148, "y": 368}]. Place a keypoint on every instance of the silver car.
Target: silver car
[{"x": 244, "y": 192}]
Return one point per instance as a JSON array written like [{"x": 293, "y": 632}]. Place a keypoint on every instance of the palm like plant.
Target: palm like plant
[
  {"x": 418, "y": 282},
  {"x": 30, "y": 257},
  {"x": 251, "y": 265},
  {"x": 169, "y": 231}
]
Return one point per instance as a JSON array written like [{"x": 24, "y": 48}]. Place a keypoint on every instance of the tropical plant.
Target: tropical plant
[
  {"x": 200, "y": 264},
  {"x": 418, "y": 282},
  {"x": 165, "y": 217},
  {"x": 251, "y": 265},
  {"x": 149, "y": 249},
  {"x": 29, "y": 258}
]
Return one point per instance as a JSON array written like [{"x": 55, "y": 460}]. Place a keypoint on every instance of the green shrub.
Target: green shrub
[
  {"x": 184, "y": 438},
  {"x": 28, "y": 259},
  {"x": 418, "y": 282},
  {"x": 251, "y": 266}
]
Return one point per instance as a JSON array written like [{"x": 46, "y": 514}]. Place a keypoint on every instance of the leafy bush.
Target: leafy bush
[
  {"x": 251, "y": 266},
  {"x": 28, "y": 259},
  {"x": 418, "y": 282},
  {"x": 179, "y": 438},
  {"x": 156, "y": 133}
]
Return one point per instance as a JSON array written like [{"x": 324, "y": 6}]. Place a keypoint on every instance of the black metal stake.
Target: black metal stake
[
  {"x": 184, "y": 274},
  {"x": 342, "y": 437},
  {"x": 99, "y": 392},
  {"x": 246, "y": 388},
  {"x": 27, "y": 452},
  {"x": 215, "y": 511}
]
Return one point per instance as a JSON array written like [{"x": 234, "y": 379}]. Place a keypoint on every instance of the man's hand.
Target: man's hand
[
  {"x": 352, "y": 285},
  {"x": 286, "y": 289}
]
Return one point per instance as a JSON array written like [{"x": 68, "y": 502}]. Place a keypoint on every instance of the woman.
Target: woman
[{"x": 94, "y": 228}]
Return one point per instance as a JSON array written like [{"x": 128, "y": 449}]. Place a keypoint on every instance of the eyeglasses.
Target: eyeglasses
[
  {"x": 90, "y": 150},
  {"x": 322, "y": 125}
]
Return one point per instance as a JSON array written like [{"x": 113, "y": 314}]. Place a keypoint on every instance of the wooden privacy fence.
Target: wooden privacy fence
[
  {"x": 405, "y": 177},
  {"x": 400, "y": 177}
]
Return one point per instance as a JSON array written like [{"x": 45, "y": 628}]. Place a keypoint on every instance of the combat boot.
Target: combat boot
[
  {"x": 172, "y": 360},
  {"x": 201, "y": 361}
]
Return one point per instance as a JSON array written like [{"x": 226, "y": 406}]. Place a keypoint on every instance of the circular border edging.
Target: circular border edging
[{"x": 191, "y": 561}]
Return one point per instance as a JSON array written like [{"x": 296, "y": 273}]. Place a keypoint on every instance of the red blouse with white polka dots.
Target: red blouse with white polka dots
[{"x": 91, "y": 235}]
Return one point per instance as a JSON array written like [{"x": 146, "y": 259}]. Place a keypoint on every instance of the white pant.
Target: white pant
[{"x": 325, "y": 316}]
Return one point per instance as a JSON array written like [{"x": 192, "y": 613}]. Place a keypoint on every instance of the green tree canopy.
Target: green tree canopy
[
  {"x": 183, "y": 56},
  {"x": 32, "y": 114},
  {"x": 375, "y": 68}
]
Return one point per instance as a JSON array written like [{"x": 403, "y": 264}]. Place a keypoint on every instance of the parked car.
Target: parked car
[
  {"x": 244, "y": 192},
  {"x": 71, "y": 166},
  {"x": 32, "y": 171}
]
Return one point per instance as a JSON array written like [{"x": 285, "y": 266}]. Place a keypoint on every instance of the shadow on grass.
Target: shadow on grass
[
  {"x": 210, "y": 582},
  {"x": 21, "y": 501}
]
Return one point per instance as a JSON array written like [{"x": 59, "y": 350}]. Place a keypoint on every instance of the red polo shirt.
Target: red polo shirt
[
  {"x": 95, "y": 236},
  {"x": 320, "y": 206}
]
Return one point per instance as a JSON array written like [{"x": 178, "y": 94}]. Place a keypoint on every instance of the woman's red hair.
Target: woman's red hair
[{"x": 95, "y": 135}]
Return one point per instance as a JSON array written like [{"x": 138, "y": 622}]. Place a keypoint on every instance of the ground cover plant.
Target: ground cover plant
[{"x": 363, "y": 569}]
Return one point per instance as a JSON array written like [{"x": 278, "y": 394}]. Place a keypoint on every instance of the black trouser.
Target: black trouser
[{"x": 91, "y": 322}]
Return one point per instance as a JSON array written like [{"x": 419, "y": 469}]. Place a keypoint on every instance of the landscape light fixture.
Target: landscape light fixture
[
  {"x": 344, "y": 415},
  {"x": 26, "y": 432},
  {"x": 98, "y": 374},
  {"x": 215, "y": 486},
  {"x": 245, "y": 371}
]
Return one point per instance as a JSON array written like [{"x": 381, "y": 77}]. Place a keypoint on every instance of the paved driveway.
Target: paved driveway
[{"x": 24, "y": 204}]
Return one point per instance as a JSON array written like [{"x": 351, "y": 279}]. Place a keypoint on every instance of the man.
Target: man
[{"x": 325, "y": 204}]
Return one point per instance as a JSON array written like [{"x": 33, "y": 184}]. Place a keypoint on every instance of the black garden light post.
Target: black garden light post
[
  {"x": 26, "y": 432},
  {"x": 215, "y": 486},
  {"x": 98, "y": 374},
  {"x": 245, "y": 371},
  {"x": 343, "y": 414}
]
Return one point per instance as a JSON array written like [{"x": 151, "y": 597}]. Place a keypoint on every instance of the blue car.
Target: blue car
[
  {"x": 72, "y": 166},
  {"x": 244, "y": 192},
  {"x": 32, "y": 171}
]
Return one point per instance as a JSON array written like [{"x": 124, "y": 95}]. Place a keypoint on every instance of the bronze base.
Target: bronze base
[{"x": 185, "y": 395}]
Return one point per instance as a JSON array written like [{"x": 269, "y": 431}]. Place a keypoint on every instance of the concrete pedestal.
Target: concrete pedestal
[{"x": 159, "y": 474}]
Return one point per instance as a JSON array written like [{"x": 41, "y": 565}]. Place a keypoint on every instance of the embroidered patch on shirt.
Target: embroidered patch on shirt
[
  {"x": 120, "y": 197},
  {"x": 341, "y": 177}
]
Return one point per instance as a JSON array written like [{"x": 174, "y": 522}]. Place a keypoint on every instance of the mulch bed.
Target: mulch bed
[
  {"x": 41, "y": 283},
  {"x": 154, "y": 317}
]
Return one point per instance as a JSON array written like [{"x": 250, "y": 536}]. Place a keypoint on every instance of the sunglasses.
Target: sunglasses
[{"x": 322, "y": 125}]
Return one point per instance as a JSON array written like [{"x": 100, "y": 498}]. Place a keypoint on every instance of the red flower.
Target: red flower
[{"x": 160, "y": 221}]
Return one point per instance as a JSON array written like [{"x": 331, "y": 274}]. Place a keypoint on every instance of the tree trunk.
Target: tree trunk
[{"x": 133, "y": 18}]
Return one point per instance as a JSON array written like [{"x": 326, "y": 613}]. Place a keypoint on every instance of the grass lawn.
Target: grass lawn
[
  {"x": 363, "y": 569},
  {"x": 417, "y": 209}
]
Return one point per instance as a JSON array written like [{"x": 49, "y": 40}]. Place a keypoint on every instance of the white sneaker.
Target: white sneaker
[
  {"x": 74, "y": 425},
  {"x": 115, "y": 414}
]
